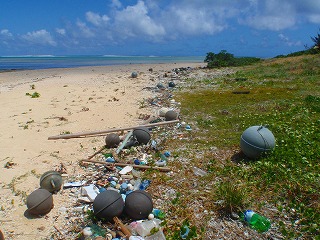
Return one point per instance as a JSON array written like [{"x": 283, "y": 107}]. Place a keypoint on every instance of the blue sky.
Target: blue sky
[{"x": 262, "y": 28}]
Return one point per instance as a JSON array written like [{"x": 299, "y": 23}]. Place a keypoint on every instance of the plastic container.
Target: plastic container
[
  {"x": 199, "y": 172},
  {"x": 256, "y": 221},
  {"x": 144, "y": 228},
  {"x": 157, "y": 236}
]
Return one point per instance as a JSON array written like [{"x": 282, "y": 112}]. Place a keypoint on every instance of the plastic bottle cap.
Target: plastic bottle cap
[{"x": 248, "y": 215}]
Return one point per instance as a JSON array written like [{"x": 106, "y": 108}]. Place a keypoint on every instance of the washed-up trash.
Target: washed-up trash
[
  {"x": 87, "y": 232},
  {"x": 184, "y": 232},
  {"x": 142, "y": 135},
  {"x": 158, "y": 213},
  {"x": 110, "y": 160},
  {"x": 199, "y": 172},
  {"x": 134, "y": 74},
  {"x": 138, "y": 204},
  {"x": 144, "y": 228},
  {"x": 157, "y": 236},
  {"x": 51, "y": 181},
  {"x": 256, "y": 140},
  {"x": 126, "y": 170},
  {"x": 112, "y": 140},
  {"x": 90, "y": 191},
  {"x": 188, "y": 128},
  {"x": 167, "y": 154},
  {"x": 171, "y": 84},
  {"x": 161, "y": 163},
  {"x": 74, "y": 184},
  {"x": 136, "y": 238},
  {"x": 40, "y": 202},
  {"x": 108, "y": 204},
  {"x": 256, "y": 221},
  {"x": 170, "y": 115},
  {"x": 144, "y": 184}
]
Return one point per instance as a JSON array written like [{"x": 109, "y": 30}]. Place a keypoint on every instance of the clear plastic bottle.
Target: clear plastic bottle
[{"x": 256, "y": 221}]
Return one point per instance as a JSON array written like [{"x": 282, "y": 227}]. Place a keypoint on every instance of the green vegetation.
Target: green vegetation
[
  {"x": 225, "y": 59},
  {"x": 284, "y": 185},
  {"x": 33, "y": 95}
]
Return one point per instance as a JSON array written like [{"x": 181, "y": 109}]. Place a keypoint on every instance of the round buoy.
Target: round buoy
[
  {"x": 134, "y": 74},
  {"x": 142, "y": 135},
  {"x": 51, "y": 181},
  {"x": 108, "y": 204},
  {"x": 170, "y": 115},
  {"x": 171, "y": 84},
  {"x": 40, "y": 202},
  {"x": 256, "y": 140},
  {"x": 163, "y": 111},
  {"x": 112, "y": 140},
  {"x": 138, "y": 204}
]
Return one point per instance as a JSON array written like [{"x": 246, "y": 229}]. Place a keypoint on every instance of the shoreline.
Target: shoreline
[{"x": 70, "y": 100}]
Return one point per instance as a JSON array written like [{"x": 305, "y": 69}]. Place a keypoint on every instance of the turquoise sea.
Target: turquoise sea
[{"x": 48, "y": 61}]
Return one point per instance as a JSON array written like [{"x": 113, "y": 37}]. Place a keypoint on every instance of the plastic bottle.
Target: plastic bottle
[
  {"x": 144, "y": 184},
  {"x": 256, "y": 221},
  {"x": 158, "y": 213}
]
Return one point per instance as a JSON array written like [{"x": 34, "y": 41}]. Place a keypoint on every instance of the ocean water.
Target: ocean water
[{"x": 44, "y": 62}]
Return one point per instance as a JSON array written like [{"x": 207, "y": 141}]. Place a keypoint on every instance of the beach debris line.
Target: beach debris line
[{"x": 103, "y": 132}]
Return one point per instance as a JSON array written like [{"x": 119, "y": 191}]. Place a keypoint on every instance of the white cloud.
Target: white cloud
[
  {"x": 84, "y": 29},
  {"x": 314, "y": 18},
  {"x": 288, "y": 42},
  {"x": 135, "y": 21},
  {"x": 192, "y": 21},
  {"x": 271, "y": 15},
  {"x": 116, "y": 3},
  {"x": 96, "y": 19},
  {"x": 41, "y": 37},
  {"x": 6, "y": 33},
  {"x": 61, "y": 31}
]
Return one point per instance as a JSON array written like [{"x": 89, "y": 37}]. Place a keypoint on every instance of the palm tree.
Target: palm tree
[{"x": 316, "y": 40}]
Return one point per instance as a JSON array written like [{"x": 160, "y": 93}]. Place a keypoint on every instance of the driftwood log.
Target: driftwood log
[{"x": 104, "y": 132}]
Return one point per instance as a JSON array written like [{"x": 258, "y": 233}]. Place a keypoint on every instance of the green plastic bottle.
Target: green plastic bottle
[{"x": 256, "y": 221}]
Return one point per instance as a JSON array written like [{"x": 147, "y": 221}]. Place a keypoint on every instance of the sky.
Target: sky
[{"x": 259, "y": 28}]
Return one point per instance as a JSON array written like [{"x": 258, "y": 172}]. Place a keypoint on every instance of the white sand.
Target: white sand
[{"x": 71, "y": 100}]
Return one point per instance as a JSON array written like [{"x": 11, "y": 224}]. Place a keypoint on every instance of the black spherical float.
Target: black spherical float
[
  {"x": 112, "y": 140},
  {"x": 51, "y": 181},
  {"x": 108, "y": 204},
  {"x": 142, "y": 135},
  {"x": 138, "y": 205},
  {"x": 40, "y": 202}
]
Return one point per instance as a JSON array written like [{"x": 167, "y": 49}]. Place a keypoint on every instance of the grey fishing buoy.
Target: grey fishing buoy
[
  {"x": 142, "y": 134},
  {"x": 40, "y": 202},
  {"x": 138, "y": 204},
  {"x": 108, "y": 204},
  {"x": 51, "y": 181},
  {"x": 170, "y": 115},
  {"x": 256, "y": 140},
  {"x": 134, "y": 74},
  {"x": 112, "y": 140}
]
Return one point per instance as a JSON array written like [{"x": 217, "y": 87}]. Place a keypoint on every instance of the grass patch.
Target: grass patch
[{"x": 283, "y": 94}]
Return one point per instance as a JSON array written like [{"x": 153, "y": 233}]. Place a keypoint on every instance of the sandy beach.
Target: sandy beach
[{"x": 65, "y": 101}]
